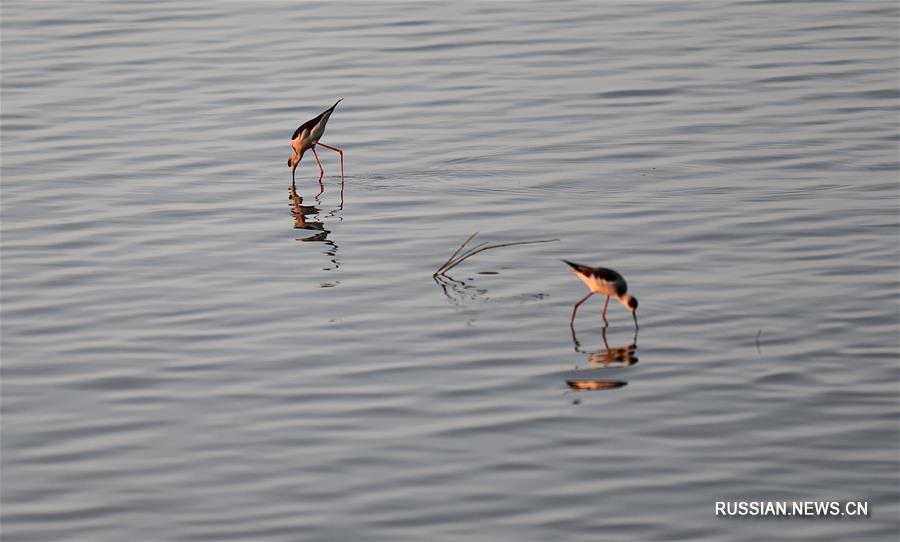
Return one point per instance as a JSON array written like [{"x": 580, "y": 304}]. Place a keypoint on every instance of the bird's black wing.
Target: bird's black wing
[
  {"x": 308, "y": 125},
  {"x": 601, "y": 273}
]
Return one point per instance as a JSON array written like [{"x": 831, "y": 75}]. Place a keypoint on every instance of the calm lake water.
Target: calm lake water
[{"x": 189, "y": 353}]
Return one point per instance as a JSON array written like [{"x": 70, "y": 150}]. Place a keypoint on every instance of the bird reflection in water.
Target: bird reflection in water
[
  {"x": 604, "y": 358},
  {"x": 307, "y": 217},
  {"x": 318, "y": 196},
  {"x": 619, "y": 356}
]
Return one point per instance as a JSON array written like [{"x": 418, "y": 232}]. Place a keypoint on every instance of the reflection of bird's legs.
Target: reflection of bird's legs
[
  {"x": 606, "y": 304},
  {"x": 339, "y": 151},
  {"x": 341, "y": 206}
]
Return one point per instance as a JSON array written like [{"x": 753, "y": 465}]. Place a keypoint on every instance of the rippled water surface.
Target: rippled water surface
[{"x": 192, "y": 352}]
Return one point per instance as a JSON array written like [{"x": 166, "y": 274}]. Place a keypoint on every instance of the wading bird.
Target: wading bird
[
  {"x": 601, "y": 280},
  {"x": 307, "y": 137}
]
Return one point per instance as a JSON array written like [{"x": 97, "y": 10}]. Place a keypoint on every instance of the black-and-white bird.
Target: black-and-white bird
[
  {"x": 307, "y": 137},
  {"x": 601, "y": 280}
]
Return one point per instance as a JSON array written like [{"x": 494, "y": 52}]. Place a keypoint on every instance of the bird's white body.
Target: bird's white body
[
  {"x": 308, "y": 137},
  {"x": 602, "y": 286},
  {"x": 601, "y": 280}
]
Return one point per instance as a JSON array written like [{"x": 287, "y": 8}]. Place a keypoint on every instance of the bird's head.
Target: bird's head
[{"x": 632, "y": 305}]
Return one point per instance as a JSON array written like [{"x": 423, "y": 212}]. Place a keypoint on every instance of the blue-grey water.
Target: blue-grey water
[{"x": 191, "y": 353}]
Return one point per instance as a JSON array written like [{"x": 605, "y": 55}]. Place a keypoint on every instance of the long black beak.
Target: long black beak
[{"x": 634, "y": 315}]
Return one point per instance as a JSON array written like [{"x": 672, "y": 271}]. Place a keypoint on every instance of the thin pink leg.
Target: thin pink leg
[
  {"x": 572, "y": 321},
  {"x": 575, "y": 308},
  {"x": 605, "y": 323},
  {"x": 321, "y": 169},
  {"x": 337, "y": 150}
]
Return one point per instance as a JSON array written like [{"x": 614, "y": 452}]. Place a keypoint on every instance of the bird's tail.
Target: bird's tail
[
  {"x": 583, "y": 269},
  {"x": 335, "y": 104}
]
